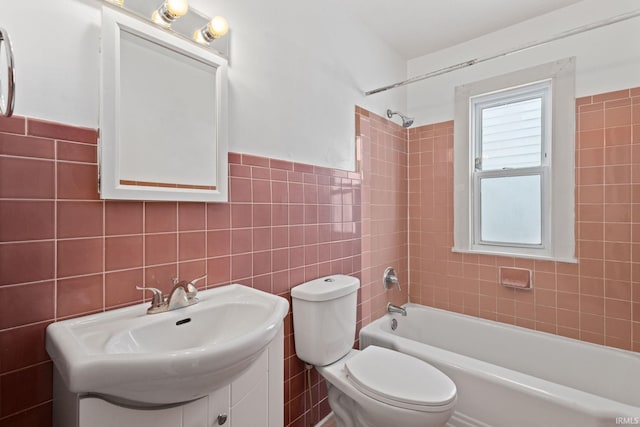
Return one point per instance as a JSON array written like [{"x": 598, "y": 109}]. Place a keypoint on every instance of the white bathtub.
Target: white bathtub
[{"x": 509, "y": 376}]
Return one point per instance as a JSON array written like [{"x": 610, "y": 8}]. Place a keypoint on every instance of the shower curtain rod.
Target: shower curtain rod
[{"x": 469, "y": 63}]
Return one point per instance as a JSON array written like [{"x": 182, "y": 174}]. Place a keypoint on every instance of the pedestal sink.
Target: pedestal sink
[{"x": 172, "y": 357}]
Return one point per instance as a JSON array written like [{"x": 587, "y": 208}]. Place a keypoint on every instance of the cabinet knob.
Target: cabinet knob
[{"x": 222, "y": 418}]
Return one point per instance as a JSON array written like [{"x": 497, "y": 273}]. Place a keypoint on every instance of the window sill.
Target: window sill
[{"x": 514, "y": 255}]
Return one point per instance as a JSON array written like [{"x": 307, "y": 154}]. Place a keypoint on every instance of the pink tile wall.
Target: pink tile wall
[
  {"x": 382, "y": 152},
  {"x": 65, "y": 253},
  {"x": 596, "y": 300}
]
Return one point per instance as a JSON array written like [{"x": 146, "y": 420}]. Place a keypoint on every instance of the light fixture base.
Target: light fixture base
[{"x": 163, "y": 17}]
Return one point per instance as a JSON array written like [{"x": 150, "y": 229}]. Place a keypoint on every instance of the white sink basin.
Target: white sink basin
[{"x": 169, "y": 357}]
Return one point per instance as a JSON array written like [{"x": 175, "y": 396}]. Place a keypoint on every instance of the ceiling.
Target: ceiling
[{"x": 418, "y": 27}]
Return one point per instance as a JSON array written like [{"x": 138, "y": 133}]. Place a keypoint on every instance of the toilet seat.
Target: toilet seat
[{"x": 400, "y": 380}]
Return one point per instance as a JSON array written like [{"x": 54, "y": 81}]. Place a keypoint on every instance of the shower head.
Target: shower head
[{"x": 406, "y": 121}]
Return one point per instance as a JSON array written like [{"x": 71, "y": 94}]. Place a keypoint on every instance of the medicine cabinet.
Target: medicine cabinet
[{"x": 163, "y": 122}]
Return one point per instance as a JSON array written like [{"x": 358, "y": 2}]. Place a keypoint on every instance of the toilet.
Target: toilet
[{"x": 373, "y": 387}]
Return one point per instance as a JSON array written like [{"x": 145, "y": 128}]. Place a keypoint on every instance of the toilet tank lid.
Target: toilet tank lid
[{"x": 326, "y": 288}]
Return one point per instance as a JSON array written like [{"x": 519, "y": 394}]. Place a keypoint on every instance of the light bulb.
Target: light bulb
[
  {"x": 177, "y": 8},
  {"x": 197, "y": 36},
  {"x": 218, "y": 27},
  {"x": 169, "y": 11},
  {"x": 214, "y": 29},
  {"x": 155, "y": 17}
]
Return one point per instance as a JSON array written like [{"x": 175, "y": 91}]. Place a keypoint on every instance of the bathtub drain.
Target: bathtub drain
[{"x": 394, "y": 324}]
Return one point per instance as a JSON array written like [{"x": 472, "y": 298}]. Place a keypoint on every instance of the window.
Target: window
[
  {"x": 514, "y": 164},
  {"x": 509, "y": 141}
]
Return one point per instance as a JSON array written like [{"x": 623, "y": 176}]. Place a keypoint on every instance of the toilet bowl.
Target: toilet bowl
[
  {"x": 374, "y": 387},
  {"x": 379, "y": 387}
]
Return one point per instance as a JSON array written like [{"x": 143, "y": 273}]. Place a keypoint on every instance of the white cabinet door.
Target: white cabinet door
[
  {"x": 219, "y": 413},
  {"x": 250, "y": 395},
  {"x": 194, "y": 414},
  {"x": 253, "y": 409},
  {"x": 276, "y": 380}
]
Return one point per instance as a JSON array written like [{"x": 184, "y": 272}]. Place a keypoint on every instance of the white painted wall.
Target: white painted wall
[
  {"x": 608, "y": 58},
  {"x": 55, "y": 45},
  {"x": 297, "y": 70}
]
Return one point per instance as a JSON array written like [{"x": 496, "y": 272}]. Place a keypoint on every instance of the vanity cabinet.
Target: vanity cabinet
[{"x": 256, "y": 398}]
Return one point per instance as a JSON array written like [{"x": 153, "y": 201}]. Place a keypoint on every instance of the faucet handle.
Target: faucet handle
[
  {"x": 157, "y": 299},
  {"x": 192, "y": 291},
  {"x": 193, "y": 282},
  {"x": 390, "y": 278}
]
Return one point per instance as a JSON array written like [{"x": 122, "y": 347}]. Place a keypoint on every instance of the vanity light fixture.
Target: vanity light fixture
[
  {"x": 204, "y": 30},
  {"x": 169, "y": 11},
  {"x": 212, "y": 30}
]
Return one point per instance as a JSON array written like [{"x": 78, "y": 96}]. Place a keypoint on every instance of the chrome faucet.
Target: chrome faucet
[
  {"x": 391, "y": 308},
  {"x": 183, "y": 294},
  {"x": 390, "y": 279}
]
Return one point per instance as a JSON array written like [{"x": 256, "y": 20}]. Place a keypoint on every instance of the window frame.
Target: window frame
[
  {"x": 557, "y": 160},
  {"x": 503, "y": 97}
]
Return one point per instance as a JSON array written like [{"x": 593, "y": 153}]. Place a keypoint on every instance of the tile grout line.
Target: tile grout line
[
  {"x": 177, "y": 270},
  {"x": 55, "y": 234},
  {"x": 104, "y": 254}
]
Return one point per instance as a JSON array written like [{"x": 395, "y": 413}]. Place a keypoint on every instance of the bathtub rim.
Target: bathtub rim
[{"x": 501, "y": 325}]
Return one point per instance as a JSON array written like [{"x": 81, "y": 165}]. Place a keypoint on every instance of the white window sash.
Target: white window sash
[
  {"x": 533, "y": 90},
  {"x": 543, "y": 171}
]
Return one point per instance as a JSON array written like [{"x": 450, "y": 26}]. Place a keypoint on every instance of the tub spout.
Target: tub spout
[{"x": 396, "y": 309}]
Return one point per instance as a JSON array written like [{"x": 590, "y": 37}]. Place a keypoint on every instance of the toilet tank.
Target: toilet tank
[{"x": 324, "y": 318}]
